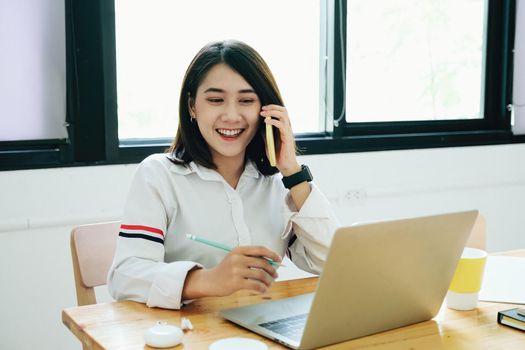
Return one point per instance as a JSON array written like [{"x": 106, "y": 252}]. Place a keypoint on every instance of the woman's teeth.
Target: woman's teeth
[{"x": 229, "y": 132}]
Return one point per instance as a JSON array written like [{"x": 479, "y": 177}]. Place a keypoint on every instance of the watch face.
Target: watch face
[{"x": 309, "y": 174}]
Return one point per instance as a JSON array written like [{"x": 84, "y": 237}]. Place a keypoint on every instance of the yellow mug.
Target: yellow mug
[{"x": 466, "y": 283}]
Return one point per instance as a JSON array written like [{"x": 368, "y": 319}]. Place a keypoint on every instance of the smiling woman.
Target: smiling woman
[
  {"x": 227, "y": 100},
  {"x": 227, "y": 115},
  {"x": 225, "y": 87}
]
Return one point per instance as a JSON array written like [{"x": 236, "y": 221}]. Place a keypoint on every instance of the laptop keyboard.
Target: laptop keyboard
[{"x": 290, "y": 327}]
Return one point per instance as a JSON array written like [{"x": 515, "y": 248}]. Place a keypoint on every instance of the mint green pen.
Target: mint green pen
[{"x": 223, "y": 247}]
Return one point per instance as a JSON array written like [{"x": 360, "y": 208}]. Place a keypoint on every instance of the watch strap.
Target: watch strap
[{"x": 297, "y": 178}]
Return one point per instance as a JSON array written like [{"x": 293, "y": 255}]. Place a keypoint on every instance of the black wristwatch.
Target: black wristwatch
[{"x": 297, "y": 178}]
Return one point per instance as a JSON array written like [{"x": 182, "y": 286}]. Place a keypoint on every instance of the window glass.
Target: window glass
[
  {"x": 519, "y": 72},
  {"x": 156, "y": 40},
  {"x": 32, "y": 70},
  {"x": 414, "y": 60}
]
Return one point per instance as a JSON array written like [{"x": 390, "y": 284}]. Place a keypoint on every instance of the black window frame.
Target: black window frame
[{"x": 92, "y": 100}]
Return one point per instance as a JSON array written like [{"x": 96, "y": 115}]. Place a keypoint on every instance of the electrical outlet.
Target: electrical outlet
[{"x": 352, "y": 197}]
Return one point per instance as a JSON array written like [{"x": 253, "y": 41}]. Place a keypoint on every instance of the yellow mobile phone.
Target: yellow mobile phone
[{"x": 270, "y": 145}]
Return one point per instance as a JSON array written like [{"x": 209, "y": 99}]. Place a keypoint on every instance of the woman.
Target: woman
[{"x": 216, "y": 182}]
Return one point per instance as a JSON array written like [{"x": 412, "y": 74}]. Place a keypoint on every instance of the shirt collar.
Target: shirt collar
[{"x": 250, "y": 170}]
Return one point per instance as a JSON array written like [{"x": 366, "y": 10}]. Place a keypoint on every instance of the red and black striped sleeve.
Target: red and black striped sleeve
[{"x": 142, "y": 232}]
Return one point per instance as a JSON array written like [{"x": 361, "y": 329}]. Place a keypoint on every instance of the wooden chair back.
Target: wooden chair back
[
  {"x": 478, "y": 236},
  {"x": 92, "y": 249}
]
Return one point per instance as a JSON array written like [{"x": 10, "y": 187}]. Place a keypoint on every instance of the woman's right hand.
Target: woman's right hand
[{"x": 243, "y": 268}]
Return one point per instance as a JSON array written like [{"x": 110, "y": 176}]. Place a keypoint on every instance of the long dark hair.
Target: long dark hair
[{"x": 189, "y": 145}]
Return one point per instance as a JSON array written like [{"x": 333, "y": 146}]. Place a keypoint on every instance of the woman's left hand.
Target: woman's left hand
[{"x": 285, "y": 151}]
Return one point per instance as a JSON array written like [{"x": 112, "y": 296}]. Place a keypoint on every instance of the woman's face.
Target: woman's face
[{"x": 226, "y": 109}]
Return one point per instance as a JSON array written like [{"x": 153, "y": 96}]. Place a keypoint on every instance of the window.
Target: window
[
  {"x": 32, "y": 71},
  {"x": 414, "y": 60},
  {"x": 152, "y": 57},
  {"x": 356, "y": 75},
  {"x": 32, "y": 80},
  {"x": 457, "y": 127}
]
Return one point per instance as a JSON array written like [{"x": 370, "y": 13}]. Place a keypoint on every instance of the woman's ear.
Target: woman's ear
[{"x": 191, "y": 106}]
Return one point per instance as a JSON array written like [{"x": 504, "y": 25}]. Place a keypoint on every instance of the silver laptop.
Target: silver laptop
[{"x": 377, "y": 277}]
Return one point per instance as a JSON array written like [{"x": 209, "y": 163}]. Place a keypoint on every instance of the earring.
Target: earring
[{"x": 192, "y": 119}]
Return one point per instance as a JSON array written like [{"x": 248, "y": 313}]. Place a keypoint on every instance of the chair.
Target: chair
[
  {"x": 477, "y": 237},
  {"x": 92, "y": 249}
]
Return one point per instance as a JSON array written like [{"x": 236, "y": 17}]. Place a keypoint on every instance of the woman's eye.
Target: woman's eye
[
  {"x": 247, "y": 101},
  {"x": 215, "y": 100}
]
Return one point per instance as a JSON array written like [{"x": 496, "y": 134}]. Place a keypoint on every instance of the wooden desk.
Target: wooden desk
[{"x": 120, "y": 325}]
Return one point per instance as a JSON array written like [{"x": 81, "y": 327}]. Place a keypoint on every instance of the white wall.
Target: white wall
[{"x": 39, "y": 207}]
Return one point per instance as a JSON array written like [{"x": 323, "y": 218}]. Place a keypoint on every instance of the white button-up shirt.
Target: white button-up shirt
[{"x": 167, "y": 201}]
